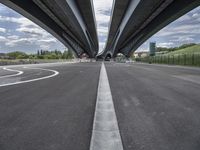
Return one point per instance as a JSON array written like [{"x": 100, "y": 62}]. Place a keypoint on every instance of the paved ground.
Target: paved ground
[
  {"x": 157, "y": 107},
  {"x": 51, "y": 114}
]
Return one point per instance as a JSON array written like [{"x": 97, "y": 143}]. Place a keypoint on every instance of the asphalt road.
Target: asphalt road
[
  {"x": 51, "y": 114},
  {"x": 157, "y": 107}
]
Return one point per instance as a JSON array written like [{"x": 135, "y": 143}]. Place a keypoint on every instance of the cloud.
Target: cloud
[
  {"x": 166, "y": 44},
  {"x": 18, "y": 32},
  {"x": 32, "y": 31},
  {"x": 195, "y": 15},
  {"x": 102, "y": 19},
  {"x": 50, "y": 40},
  {"x": 184, "y": 18},
  {"x": 103, "y": 5},
  {"x": 2, "y": 30},
  {"x": 25, "y": 41},
  {"x": 102, "y": 13},
  {"x": 44, "y": 46},
  {"x": 13, "y": 37},
  {"x": 101, "y": 45},
  {"x": 3, "y": 39},
  {"x": 103, "y": 31},
  {"x": 25, "y": 25},
  {"x": 183, "y": 30},
  {"x": 22, "y": 21}
]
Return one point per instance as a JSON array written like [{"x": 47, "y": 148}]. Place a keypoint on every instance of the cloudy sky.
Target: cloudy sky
[
  {"x": 18, "y": 33},
  {"x": 184, "y": 30},
  {"x": 102, "y": 12}
]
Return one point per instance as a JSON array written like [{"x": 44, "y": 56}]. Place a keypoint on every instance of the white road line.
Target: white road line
[
  {"x": 55, "y": 73},
  {"x": 12, "y": 75},
  {"x": 40, "y": 64},
  {"x": 105, "y": 134}
]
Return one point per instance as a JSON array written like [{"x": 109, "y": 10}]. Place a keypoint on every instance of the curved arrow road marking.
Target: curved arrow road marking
[
  {"x": 55, "y": 73},
  {"x": 12, "y": 75}
]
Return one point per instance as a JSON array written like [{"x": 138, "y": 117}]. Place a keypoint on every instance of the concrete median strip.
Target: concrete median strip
[{"x": 105, "y": 134}]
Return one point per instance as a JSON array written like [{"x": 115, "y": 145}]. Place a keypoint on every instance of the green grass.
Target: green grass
[
  {"x": 189, "y": 56},
  {"x": 188, "y": 50}
]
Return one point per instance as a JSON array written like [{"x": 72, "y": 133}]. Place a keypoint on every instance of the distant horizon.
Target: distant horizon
[
  {"x": 35, "y": 52},
  {"x": 142, "y": 50}
]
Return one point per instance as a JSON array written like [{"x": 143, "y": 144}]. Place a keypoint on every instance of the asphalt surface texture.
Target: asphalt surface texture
[
  {"x": 157, "y": 106},
  {"x": 51, "y": 114}
]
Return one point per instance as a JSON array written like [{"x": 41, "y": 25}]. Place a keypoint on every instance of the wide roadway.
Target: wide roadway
[
  {"x": 51, "y": 114},
  {"x": 157, "y": 107}
]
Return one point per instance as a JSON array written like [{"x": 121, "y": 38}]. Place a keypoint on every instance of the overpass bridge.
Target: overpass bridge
[
  {"x": 134, "y": 21},
  {"x": 72, "y": 22}
]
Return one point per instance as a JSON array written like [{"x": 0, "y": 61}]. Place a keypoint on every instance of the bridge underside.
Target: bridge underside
[
  {"x": 140, "y": 20},
  {"x": 69, "y": 21}
]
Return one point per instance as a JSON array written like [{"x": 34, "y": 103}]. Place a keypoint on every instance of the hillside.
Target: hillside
[{"x": 188, "y": 50}]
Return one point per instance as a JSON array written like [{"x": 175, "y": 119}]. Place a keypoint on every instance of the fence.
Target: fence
[{"x": 177, "y": 59}]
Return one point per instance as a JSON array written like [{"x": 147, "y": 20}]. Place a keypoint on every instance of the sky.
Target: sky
[
  {"x": 103, "y": 10},
  {"x": 184, "y": 30},
  {"x": 19, "y": 33}
]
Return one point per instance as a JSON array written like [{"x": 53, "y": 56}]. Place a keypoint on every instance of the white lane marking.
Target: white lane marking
[
  {"x": 55, "y": 73},
  {"x": 12, "y": 75},
  {"x": 105, "y": 134}
]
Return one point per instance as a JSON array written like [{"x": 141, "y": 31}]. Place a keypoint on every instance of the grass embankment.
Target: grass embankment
[
  {"x": 189, "y": 50},
  {"x": 29, "y": 61},
  {"x": 18, "y": 57},
  {"x": 189, "y": 56}
]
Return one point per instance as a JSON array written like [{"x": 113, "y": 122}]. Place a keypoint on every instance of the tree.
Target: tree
[
  {"x": 41, "y": 52},
  {"x": 64, "y": 55},
  {"x": 38, "y": 53},
  {"x": 70, "y": 54},
  {"x": 17, "y": 55},
  {"x": 67, "y": 54}
]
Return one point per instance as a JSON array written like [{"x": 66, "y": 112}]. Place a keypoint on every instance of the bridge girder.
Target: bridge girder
[
  {"x": 140, "y": 20},
  {"x": 69, "y": 21}
]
